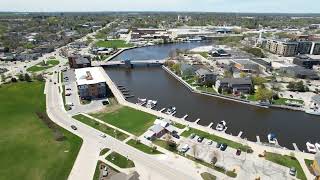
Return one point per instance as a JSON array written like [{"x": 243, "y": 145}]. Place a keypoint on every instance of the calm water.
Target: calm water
[{"x": 155, "y": 83}]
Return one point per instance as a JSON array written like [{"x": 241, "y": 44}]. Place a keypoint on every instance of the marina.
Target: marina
[{"x": 155, "y": 83}]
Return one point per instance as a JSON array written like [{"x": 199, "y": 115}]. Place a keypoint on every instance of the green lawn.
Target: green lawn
[
  {"x": 178, "y": 125},
  {"x": 282, "y": 101},
  {"x": 142, "y": 147},
  {"x": 208, "y": 176},
  {"x": 216, "y": 139},
  {"x": 101, "y": 127},
  {"x": 128, "y": 119},
  {"x": 287, "y": 161},
  {"x": 104, "y": 151},
  {"x": 120, "y": 160},
  {"x": 28, "y": 148},
  {"x": 113, "y": 44},
  {"x": 40, "y": 67},
  {"x": 206, "y": 89}
]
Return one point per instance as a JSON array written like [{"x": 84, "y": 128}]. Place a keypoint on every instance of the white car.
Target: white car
[{"x": 103, "y": 135}]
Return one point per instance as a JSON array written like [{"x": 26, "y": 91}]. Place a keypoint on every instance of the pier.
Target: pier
[
  {"x": 258, "y": 139},
  {"x": 161, "y": 110},
  {"x": 197, "y": 121},
  {"x": 240, "y": 134},
  {"x": 210, "y": 125},
  {"x": 185, "y": 116}
]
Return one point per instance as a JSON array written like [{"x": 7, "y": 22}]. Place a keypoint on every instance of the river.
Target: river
[{"x": 155, "y": 83}]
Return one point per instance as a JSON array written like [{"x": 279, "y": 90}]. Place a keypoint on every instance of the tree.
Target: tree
[
  {"x": 257, "y": 80},
  {"x": 3, "y": 78},
  {"x": 21, "y": 77},
  {"x": 14, "y": 80},
  {"x": 39, "y": 77},
  {"x": 264, "y": 94},
  {"x": 227, "y": 74},
  {"x": 27, "y": 77},
  {"x": 177, "y": 68},
  {"x": 243, "y": 74}
]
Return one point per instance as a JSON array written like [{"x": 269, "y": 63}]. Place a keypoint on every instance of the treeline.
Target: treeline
[{"x": 58, "y": 135}]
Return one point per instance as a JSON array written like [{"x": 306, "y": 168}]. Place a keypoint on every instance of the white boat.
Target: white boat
[
  {"x": 221, "y": 126},
  {"x": 151, "y": 104},
  {"x": 272, "y": 139},
  {"x": 313, "y": 111},
  {"x": 195, "y": 39},
  {"x": 311, "y": 147},
  {"x": 141, "y": 102},
  {"x": 171, "y": 111},
  {"x": 317, "y": 146}
]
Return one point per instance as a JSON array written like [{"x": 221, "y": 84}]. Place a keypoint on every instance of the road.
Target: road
[{"x": 84, "y": 166}]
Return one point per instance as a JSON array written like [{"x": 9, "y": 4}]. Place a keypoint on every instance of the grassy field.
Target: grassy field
[
  {"x": 27, "y": 147},
  {"x": 216, "y": 139},
  {"x": 120, "y": 160},
  {"x": 282, "y": 101},
  {"x": 208, "y": 176},
  {"x": 104, "y": 151},
  {"x": 178, "y": 125},
  {"x": 101, "y": 127},
  {"x": 287, "y": 161},
  {"x": 113, "y": 44},
  {"x": 128, "y": 119},
  {"x": 206, "y": 89},
  {"x": 142, "y": 147},
  {"x": 40, "y": 67}
]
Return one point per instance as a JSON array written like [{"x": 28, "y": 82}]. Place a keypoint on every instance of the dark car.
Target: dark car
[
  {"x": 54, "y": 83},
  {"x": 218, "y": 145},
  {"x": 238, "y": 152},
  {"x": 223, "y": 147},
  {"x": 105, "y": 102},
  {"x": 200, "y": 139},
  {"x": 74, "y": 127},
  {"x": 176, "y": 135}
]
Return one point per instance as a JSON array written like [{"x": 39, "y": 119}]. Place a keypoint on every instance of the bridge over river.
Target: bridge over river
[{"x": 129, "y": 63}]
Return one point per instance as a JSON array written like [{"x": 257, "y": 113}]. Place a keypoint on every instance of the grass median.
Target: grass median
[
  {"x": 113, "y": 44},
  {"x": 119, "y": 160},
  {"x": 28, "y": 148},
  {"x": 101, "y": 127},
  {"x": 142, "y": 147},
  {"x": 215, "y": 138},
  {"x": 41, "y": 66},
  {"x": 127, "y": 119},
  {"x": 287, "y": 161}
]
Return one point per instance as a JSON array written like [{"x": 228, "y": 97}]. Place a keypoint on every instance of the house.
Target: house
[
  {"x": 246, "y": 66},
  {"x": 159, "y": 128},
  {"x": 234, "y": 85},
  {"x": 205, "y": 77},
  {"x": 219, "y": 53},
  {"x": 187, "y": 69},
  {"x": 316, "y": 166},
  {"x": 299, "y": 72},
  {"x": 91, "y": 83},
  {"x": 77, "y": 61}
]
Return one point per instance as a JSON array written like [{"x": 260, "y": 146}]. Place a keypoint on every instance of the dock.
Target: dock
[
  {"x": 209, "y": 126},
  {"x": 296, "y": 147},
  {"x": 240, "y": 133},
  {"x": 129, "y": 96},
  {"x": 258, "y": 139},
  {"x": 161, "y": 110},
  {"x": 197, "y": 121},
  {"x": 184, "y": 117}
]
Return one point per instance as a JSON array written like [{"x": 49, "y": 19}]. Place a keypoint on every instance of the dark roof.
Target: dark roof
[
  {"x": 202, "y": 72},
  {"x": 82, "y": 60},
  {"x": 236, "y": 81},
  {"x": 298, "y": 70}
]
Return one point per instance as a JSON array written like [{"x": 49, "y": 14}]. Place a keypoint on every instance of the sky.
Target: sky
[{"x": 256, "y": 6}]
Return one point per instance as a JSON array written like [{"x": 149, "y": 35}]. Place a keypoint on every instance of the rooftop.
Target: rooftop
[{"x": 91, "y": 75}]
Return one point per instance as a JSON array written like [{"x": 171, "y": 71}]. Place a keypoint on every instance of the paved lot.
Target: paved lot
[{"x": 247, "y": 166}]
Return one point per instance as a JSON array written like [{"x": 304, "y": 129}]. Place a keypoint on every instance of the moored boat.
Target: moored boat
[
  {"x": 221, "y": 126},
  {"x": 170, "y": 111},
  {"x": 151, "y": 104},
  {"x": 141, "y": 102},
  {"x": 311, "y": 147},
  {"x": 272, "y": 138}
]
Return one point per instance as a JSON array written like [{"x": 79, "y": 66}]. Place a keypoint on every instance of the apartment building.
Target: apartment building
[
  {"x": 77, "y": 61},
  {"x": 90, "y": 82}
]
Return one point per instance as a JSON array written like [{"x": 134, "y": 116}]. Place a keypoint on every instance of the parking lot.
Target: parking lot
[
  {"x": 73, "y": 99},
  {"x": 247, "y": 166}
]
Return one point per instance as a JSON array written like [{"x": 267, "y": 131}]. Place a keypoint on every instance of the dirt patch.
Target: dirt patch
[{"x": 112, "y": 107}]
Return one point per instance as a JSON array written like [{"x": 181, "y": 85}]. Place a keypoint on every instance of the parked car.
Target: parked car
[
  {"x": 200, "y": 139},
  {"x": 210, "y": 142},
  {"x": 238, "y": 152},
  {"x": 293, "y": 171},
  {"x": 175, "y": 135},
  {"x": 74, "y": 127},
  {"x": 218, "y": 145},
  {"x": 184, "y": 148},
  {"x": 192, "y": 136},
  {"x": 223, "y": 147},
  {"x": 54, "y": 83},
  {"x": 105, "y": 102},
  {"x": 103, "y": 135},
  {"x": 69, "y": 89},
  {"x": 105, "y": 172}
]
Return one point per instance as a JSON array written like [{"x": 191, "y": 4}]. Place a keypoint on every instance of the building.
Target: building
[
  {"x": 159, "y": 128},
  {"x": 299, "y": 72},
  {"x": 304, "y": 47},
  {"x": 187, "y": 69},
  {"x": 316, "y": 166},
  {"x": 91, "y": 83},
  {"x": 219, "y": 53},
  {"x": 205, "y": 77},
  {"x": 306, "y": 61},
  {"x": 78, "y": 61},
  {"x": 246, "y": 66},
  {"x": 234, "y": 85},
  {"x": 315, "y": 49},
  {"x": 287, "y": 48}
]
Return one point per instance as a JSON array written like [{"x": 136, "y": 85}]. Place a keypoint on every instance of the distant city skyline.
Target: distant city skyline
[{"x": 250, "y": 6}]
